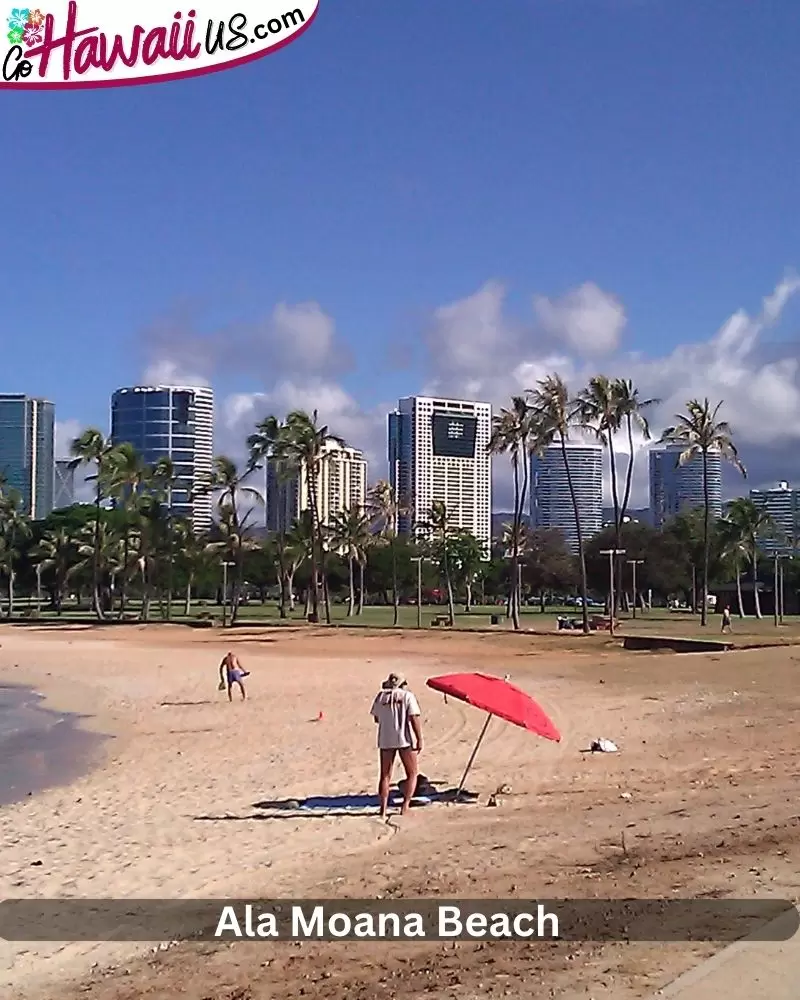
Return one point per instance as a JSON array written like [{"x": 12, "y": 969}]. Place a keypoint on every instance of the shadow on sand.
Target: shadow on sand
[{"x": 327, "y": 806}]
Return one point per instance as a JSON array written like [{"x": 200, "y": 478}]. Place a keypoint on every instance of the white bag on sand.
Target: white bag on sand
[{"x": 604, "y": 746}]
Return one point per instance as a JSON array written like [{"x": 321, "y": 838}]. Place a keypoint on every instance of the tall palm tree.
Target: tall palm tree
[
  {"x": 558, "y": 414},
  {"x": 125, "y": 474},
  {"x": 385, "y": 509},
  {"x": 599, "y": 412},
  {"x": 350, "y": 536},
  {"x": 744, "y": 526},
  {"x": 300, "y": 448},
  {"x": 511, "y": 435},
  {"x": 441, "y": 531},
  {"x": 263, "y": 451},
  {"x": 93, "y": 448},
  {"x": 699, "y": 432},
  {"x": 15, "y": 526},
  {"x": 262, "y": 447},
  {"x": 631, "y": 410},
  {"x": 228, "y": 482}
]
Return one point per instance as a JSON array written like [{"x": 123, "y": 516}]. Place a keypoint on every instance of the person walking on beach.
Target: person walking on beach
[
  {"x": 230, "y": 673},
  {"x": 396, "y": 712},
  {"x": 726, "y": 619}
]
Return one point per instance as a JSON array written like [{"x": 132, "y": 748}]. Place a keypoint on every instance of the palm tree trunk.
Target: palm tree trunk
[
  {"x": 361, "y": 566},
  {"x": 739, "y": 590},
  {"x": 579, "y": 532},
  {"x": 352, "y": 602},
  {"x": 617, "y": 517},
  {"x": 98, "y": 607},
  {"x": 756, "y": 598},
  {"x": 10, "y": 591},
  {"x": 125, "y": 557},
  {"x": 282, "y": 575},
  {"x": 450, "y": 600},
  {"x": 187, "y": 608},
  {"x": 628, "y": 473},
  {"x": 290, "y": 588},
  {"x": 469, "y": 595},
  {"x": 311, "y": 479},
  {"x": 514, "y": 581},
  {"x": 395, "y": 596},
  {"x": 706, "y": 539}
]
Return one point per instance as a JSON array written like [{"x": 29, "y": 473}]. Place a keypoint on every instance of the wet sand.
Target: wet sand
[{"x": 39, "y": 747}]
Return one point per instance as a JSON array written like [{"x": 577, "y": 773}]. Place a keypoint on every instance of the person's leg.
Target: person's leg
[
  {"x": 411, "y": 765},
  {"x": 385, "y": 779},
  {"x": 241, "y": 688},
  {"x": 230, "y": 690}
]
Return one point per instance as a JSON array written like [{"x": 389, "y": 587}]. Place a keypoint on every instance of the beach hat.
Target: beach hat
[{"x": 394, "y": 681}]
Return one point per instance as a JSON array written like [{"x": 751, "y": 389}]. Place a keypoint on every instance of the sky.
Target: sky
[{"x": 453, "y": 197}]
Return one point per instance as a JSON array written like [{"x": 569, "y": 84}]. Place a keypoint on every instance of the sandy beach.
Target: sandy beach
[{"x": 701, "y": 799}]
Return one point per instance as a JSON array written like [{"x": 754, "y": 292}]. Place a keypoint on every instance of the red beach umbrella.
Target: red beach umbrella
[{"x": 495, "y": 696}]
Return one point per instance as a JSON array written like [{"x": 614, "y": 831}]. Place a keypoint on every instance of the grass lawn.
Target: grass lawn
[{"x": 656, "y": 622}]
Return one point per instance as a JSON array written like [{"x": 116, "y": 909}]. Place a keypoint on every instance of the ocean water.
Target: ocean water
[{"x": 39, "y": 748}]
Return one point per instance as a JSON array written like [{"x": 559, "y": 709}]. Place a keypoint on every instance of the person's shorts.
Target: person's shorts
[{"x": 236, "y": 675}]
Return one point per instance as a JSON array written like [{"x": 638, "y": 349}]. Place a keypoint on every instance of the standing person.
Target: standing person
[
  {"x": 396, "y": 712},
  {"x": 726, "y": 619},
  {"x": 230, "y": 673}
]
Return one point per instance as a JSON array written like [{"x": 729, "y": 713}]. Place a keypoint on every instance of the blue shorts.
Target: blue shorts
[{"x": 235, "y": 676}]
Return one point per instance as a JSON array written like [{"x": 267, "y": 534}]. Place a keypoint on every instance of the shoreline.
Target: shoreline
[{"x": 44, "y": 746}]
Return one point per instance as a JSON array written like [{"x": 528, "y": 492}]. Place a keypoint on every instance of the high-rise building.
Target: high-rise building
[
  {"x": 64, "y": 493},
  {"x": 341, "y": 485},
  {"x": 177, "y": 422},
  {"x": 438, "y": 451},
  {"x": 27, "y": 446},
  {"x": 675, "y": 487},
  {"x": 551, "y": 500},
  {"x": 782, "y": 503}
]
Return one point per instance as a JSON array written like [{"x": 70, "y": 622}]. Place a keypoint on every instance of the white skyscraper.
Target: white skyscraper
[
  {"x": 177, "y": 422},
  {"x": 438, "y": 451},
  {"x": 551, "y": 500},
  {"x": 341, "y": 486}
]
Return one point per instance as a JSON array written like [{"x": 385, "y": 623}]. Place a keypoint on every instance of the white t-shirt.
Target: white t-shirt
[{"x": 394, "y": 709}]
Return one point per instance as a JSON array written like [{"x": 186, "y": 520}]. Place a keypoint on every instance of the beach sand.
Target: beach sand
[{"x": 700, "y": 799}]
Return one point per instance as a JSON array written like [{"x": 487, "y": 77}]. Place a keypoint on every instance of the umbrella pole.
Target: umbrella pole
[{"x": 474, "y": 754}]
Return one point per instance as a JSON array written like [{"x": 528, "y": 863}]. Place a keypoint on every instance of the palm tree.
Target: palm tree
[
  {"x": 699, "y": 432},
  {"x": 631, "y": 410},
  {"x": 56, "y": 551},
  {"x": 263, "y": 446},
  {"x": 15, "y": 526},
  {"x": 298, "y": 549},
  {"x": 350, "y": 536},
  {"x": 557, "y": 415},
  {"x": 125, "y": 474},
  {"x": 468, "y": 559},
  {"x": 188, "y": 552},
  {"x": 300, "y": 448},
  {"x": 511, "y": 435},
  {"x": 385, "y": 510},
  {"x": 441, "y": 531},
  {"x": 93, "y": 448},
  {"x": 744, "y": 525},
  {"x": 228, "y": 482}
]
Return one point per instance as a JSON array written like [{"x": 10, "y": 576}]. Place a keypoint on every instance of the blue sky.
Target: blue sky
[{"x": 394, "y": 160}]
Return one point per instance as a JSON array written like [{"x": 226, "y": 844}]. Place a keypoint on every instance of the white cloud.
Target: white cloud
[
  {"x": 166, "y": 371},
  {"x": 476, "y": 350},
  {"x": 587, "y": 319},
  {"x": 65, "y": 433},
  {"x": 344, "y": 416}
]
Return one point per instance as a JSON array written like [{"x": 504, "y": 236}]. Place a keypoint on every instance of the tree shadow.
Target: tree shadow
[{"x": 184, "y": 704}]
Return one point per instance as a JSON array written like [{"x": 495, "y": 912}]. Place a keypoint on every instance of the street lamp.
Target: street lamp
[
  {"x": 225, "y": 565},
  {"x": 612, "y": 554},
  {"x": 418, "y": 561},
  {"x": 633, "y": 563},
  {"x": 777, "y": 590}
]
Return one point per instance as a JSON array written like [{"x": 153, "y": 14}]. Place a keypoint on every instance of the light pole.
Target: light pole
[
  {"x": 225, "y": 565},
  {"x": 612, "y": 554},
  {"x": 777, "y": 590},
  {"x": 780, "y": 611},
  {"x": 418, "y": 561},
  {"x": 633, "y": 563}
]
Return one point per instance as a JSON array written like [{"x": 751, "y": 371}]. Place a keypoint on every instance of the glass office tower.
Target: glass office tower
[
  {"x": 171, "y": 422},
  {"x": 27, "y": 450}
]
